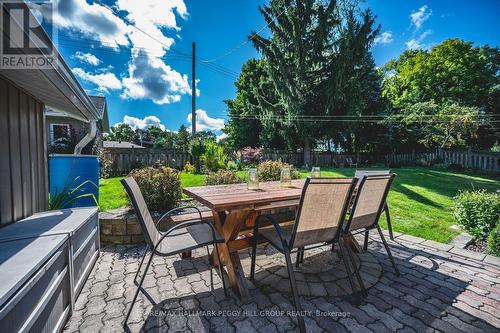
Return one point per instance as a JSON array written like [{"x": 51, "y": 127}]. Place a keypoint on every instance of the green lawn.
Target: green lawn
[{"x": 421, "y": 199}]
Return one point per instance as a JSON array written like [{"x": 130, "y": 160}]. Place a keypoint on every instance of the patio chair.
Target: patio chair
[
  {"x": 185, "y": 236},
  {"x": 360, "y": 174},
  {"x": 368, "y": 205},
  {"x": 319, "y": 219}
]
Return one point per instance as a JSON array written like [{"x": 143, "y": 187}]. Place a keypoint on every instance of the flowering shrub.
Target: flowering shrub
[
  {"x": 271, "y": 170},
  {"x": 161, "y": 187},
  {"x": 222, "y": 177},
  {"x": 251, "y": 155}
]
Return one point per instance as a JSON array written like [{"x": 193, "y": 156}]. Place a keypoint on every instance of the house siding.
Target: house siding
[{"x": 23, "y": 154}]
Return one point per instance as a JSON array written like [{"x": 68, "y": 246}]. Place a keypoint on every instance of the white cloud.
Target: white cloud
[
  {"x": 206, "y": 123},
  {"x": 87, "y": 58},
  {"x": 221, "y": 137},
  {"x": 151, "y": 78},
  {"x": 384, "y": 38},
  {"x": 420, "y": 16},
  {"x": 148, "y": 76},
  {"x": 417, "y": 43},
  {"x": 92, "y": 20},
  {"x": 146, "y": 122},
  {"x": 412, "y": 44},
  {"x": 103, "y": 81},
  {"x": 151, "y": 17}
]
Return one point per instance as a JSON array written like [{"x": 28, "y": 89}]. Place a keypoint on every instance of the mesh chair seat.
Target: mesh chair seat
[
  {"x": 272, "y": 236},
  {"x": 186, "y": 239}
]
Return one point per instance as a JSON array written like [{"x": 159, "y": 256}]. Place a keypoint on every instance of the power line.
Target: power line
[
  {"x": 353, "y": 120},
  {"x": 354, "y": 116},
  {"x": 144, "y": 54},
  {"x": 237, "y": 47}
]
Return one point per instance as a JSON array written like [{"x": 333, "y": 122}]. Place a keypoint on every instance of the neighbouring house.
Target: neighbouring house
[
  {"x": 45, "y": 256},
  {"x": 120, "y": 144},
  {"x": 64, "y": 131}
]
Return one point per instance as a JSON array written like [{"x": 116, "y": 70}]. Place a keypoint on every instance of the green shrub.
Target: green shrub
[
  {"x": 222, "y": 177},
  {"x": 494, "y": 241},
  {"x": 214, "y": 157},
  {"x": 232, "y": 165},
  {"x": 271, "y": 170},
  {"x": 189, "y": 168},
  {"x": 161, "y": 187},
  {"x": 478, "y": 212}
]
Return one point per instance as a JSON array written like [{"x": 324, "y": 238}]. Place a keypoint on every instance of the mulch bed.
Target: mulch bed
[{"x": 477, "y": 246}]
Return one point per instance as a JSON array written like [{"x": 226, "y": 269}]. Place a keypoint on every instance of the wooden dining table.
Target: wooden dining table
[{"x": 235, "y": 209}]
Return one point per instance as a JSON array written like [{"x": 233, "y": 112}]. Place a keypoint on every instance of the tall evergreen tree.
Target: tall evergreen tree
[{"x": 316, "y": 53}]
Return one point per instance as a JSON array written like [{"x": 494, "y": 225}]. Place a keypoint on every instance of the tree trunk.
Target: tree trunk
[{"x": 307, "y": 152}]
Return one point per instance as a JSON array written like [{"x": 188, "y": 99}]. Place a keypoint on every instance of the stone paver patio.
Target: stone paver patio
[{"x": 439, "y": 290}]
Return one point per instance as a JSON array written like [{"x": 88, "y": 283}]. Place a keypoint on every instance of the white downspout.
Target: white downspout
[{"x": 87, "y": 138}]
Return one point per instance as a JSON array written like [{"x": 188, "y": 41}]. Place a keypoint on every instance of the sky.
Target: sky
[{"x": 138, "y": 53}]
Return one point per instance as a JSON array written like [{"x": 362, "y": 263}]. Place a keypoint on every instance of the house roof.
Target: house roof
[
  {"x": 102, "y": 108},
  {"x": 55, "y": 86},
  {"x": 120, "y": 144}
]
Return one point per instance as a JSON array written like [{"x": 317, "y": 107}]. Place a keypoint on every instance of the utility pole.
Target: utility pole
[{"x": 193, "y": 92}]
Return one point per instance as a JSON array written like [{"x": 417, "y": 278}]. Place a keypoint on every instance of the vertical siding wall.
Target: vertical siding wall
[{"x": 23, "y": 155}]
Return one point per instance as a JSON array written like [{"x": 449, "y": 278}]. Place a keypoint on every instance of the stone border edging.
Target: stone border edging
[{"x": 453, "y": 249}]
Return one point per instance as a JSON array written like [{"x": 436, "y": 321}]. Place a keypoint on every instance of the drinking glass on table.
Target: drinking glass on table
[
  {"x": 253, "y": 179},
  {"x": 286, "y": 177},
  {"x": 315, "y": 172}
]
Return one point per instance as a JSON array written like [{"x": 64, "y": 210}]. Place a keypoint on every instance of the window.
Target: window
[{"x": 59, "y": 131}]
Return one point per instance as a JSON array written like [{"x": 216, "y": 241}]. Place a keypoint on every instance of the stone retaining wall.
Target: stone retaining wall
[{"x": 120, "y": 226}]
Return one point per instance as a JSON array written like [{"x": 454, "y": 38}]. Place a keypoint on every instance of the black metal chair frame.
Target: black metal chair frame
[
  {"x": 288, "y": 246},
  {"x": 153, "y": 247},
  {"x": 383, "y": 206}
]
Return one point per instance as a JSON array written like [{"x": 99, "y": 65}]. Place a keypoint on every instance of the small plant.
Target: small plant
[
  {"x": 495, "y": 148},
  {"x": 189, "y": 168},
  {"x": 214, "y": 157},
  {"x": 161, "y": 187},
  {"x": 251, "y": 156},
  {"x": 222, "y": 177},
  {"x": 493, "y": 246},
  {"x": 271, "y": 170},
  {"x": 478, "y": 212},
  {"x": 232, "y": 165},
  {"x": 105, "y": 165},
  {"x": 71, "y": 192}
]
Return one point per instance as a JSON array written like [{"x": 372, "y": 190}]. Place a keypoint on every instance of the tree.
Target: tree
[
  {"x": 432, "y": 125},
  {"x": 353, "y": 88},
  {"x": 300, "y": 31},
  {"x": 197, "y": 146},
  {"x": 313, "y": 52},
  {"x": 182, "y": 139},
  {"x": 451, "y": 73},
  {"x": 243, "y": 111},
  {"x": 255, "y": 92},
  {"x": 121, "y": 132}
]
